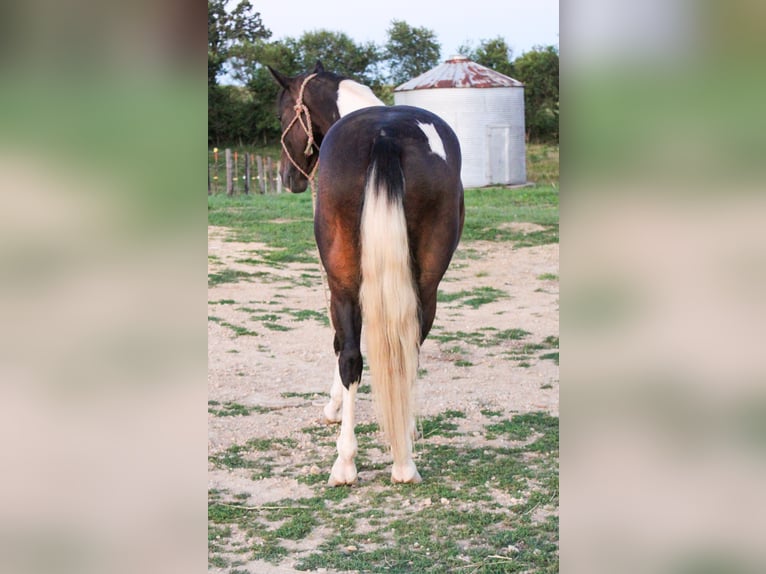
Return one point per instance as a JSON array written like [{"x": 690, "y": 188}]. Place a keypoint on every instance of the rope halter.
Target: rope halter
[{"x": 301, "y": 109}]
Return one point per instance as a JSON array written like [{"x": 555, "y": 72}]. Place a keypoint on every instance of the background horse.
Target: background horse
[{"x": 388, "y": 217}]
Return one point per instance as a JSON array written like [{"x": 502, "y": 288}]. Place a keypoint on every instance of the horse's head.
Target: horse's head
[{"x": 306, "y": 107}]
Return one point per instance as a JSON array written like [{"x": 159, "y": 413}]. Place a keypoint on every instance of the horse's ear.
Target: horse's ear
[
  {"x": 318, "y": 68},
  {"x": 282, "y": 80}
]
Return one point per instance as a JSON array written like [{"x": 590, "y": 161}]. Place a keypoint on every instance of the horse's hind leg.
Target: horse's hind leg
[
  {"x": 348, "y": 324},
  {"x": 344, "y": 469},
  {"x": 331, "y": 414}
]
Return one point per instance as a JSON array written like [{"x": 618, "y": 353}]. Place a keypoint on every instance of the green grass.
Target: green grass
[
  {"x": 489, "y": 211},
  {"x": 487, "y": 337},
  {"x": 284, "y": 221},
  {"x": 232, "y": 409},
  {"x": 543, "y": 164},
  {"x": 452, "y": 522},
  {"x": 473, "y": 298},
  {"x": 227, "y": 276},
  {"x": 238, "y": 330}
]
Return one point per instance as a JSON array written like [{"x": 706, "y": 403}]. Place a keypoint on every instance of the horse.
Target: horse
[{"x": 388, "y": 216}]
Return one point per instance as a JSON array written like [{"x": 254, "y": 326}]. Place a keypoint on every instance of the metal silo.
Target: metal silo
[{"x": 486, "y": 110}]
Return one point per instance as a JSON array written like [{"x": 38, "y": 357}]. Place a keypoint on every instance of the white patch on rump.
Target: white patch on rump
[
  {"x": 434, "y": 141},
  {"x": 353, "y": 96}
]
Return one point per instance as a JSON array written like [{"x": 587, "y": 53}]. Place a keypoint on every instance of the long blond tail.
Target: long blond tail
[{"x": 390, "y": 308}]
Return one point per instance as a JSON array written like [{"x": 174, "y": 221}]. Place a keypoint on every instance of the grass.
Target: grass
[
  {"x": 486, "y": 337},
  {"x": 232, "y": 409},
  {"x": 449, "y": 523},
  {"x": 284, "y": 222},
  {"x": 473, "y": 298},
  {"x": 227, "y": 276},
  {"x": 238, "y": 330},
  {"x": 489, "y": 211},
  {"x": 543, "y": 164}
]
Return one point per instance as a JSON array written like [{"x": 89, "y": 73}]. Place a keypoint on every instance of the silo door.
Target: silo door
[{"x": 499, "y": 142}]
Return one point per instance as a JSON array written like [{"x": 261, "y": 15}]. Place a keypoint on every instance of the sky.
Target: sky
[{"x": 522, "y": 23}]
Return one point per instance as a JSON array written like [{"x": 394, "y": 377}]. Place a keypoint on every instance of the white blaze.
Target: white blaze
[
  {"x": 434, "y": 141},
  {"x": 353, "y": 96}
]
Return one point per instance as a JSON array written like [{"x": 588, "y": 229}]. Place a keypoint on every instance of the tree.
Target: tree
[
  {"x": 338, "y": 53},
  {"x": 494, "y": 54},
  {"x": 538, "y": 69},
  {"x": 227, "y": 29},
  {"x": 410, "y": 51},
  {"x": 228, "y": 110}
]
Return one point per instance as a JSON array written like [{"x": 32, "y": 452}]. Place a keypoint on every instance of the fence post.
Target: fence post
[
  {"x": 269, "y": 176},
  {"x": 261, "y": 175},
  {"x": 235, "y": 179},
  {"x": 247, "y": 173},
  {"x": 229, "y": 181},
  {"x": 215, "y": 170}
]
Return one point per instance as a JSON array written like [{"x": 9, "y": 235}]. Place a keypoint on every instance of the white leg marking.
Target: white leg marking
[
  {"x": 344, "y": 469},
  {"x": 331, "y": 413},
  {"x": 407, "y": 471},
  {"x": 434, "y": 141}
]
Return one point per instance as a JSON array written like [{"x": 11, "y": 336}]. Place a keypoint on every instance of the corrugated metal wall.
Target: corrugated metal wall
[{"x": 489, "y": 122}]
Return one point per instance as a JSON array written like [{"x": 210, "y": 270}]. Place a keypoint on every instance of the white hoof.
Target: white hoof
[
  {"x": 407, "y": 473},
  {"x": 331, "y": 415},
  {"x": 343, "y": 472}
]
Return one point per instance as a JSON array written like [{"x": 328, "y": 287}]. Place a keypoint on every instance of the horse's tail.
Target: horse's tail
[{"x": 389, "y": 301}]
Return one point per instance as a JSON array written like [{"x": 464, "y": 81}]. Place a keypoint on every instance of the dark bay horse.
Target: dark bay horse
[{"x": 388, "y": 217}]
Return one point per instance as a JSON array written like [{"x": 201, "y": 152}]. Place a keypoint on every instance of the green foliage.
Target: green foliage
[
  {"x": 226, "y": 29},
  {"x": 338, "y": 53},
  {"x": 539, "y": 70},
  {"x": 410, "y": 51},
  {"x": 494, "y": 54}
]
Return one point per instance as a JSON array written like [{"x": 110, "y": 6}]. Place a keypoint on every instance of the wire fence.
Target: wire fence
[{"x": 235, "y": 172}]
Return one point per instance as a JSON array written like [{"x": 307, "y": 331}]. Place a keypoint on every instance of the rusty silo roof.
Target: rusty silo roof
[{"x": 459, "y": 72}]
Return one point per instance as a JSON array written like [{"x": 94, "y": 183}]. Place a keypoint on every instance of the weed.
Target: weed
[
  {"x": 440, "y": 425},
  {"x": 474, "y": 298},
  {"x": 548, "y": 277},
  {"x": 227, "y": 276},
  {"x": 232, "y": 409},
  {"x": 291, "y": 395}
]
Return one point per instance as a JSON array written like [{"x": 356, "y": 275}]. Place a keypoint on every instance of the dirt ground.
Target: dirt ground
[{"x": 282, "y": 367}]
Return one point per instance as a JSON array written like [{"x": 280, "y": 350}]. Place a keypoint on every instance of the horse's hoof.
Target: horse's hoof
[
  {"x": 342, "y": 473},
  {"x": 328, "y": 421},
  {"x": 330, "y": 416},
  {"x": 405, "y": 474}
]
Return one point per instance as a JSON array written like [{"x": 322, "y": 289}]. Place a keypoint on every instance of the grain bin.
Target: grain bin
[{"x": 486, "y": 110}]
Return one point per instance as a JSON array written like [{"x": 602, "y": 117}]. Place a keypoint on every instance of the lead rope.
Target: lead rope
[{"x": 301, "y": 108}]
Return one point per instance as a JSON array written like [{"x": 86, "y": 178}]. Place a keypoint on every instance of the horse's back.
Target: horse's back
[
  {"x": 429, "y": 152},
  {"x": 426, "y": 141}
]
